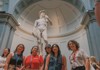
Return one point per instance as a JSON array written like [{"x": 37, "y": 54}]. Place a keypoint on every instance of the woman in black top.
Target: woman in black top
[
  {"x": 15, "y": 60},
  {"x": 48, "y": 51}
]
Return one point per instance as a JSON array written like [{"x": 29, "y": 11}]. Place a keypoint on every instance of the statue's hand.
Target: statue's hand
[{"x": 46, "y": 17}]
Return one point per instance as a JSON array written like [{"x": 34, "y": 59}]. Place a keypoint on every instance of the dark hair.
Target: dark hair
[
  {"x": 34, "y": 47},
  {"x": 74, "y": 42},
  {"x": 47, "y": 46},
  {"x": 55, "y": 45},
  {"x": 8, "y": 52},
  {"x": 18, "y": 46}
]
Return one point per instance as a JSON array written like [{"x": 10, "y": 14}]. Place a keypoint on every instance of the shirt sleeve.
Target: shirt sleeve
[{"x": 84, "y": 54}]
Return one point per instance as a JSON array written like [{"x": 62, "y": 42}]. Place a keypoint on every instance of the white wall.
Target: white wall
[{"x": 27, "y": 40}]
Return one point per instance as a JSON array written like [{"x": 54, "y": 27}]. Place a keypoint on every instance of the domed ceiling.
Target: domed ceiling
[{"x": 64, "y": 16}]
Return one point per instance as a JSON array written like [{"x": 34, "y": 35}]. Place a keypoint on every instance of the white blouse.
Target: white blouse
[
  {"x": 77, "y": 59},
  {"x": 2, "y": 61}
]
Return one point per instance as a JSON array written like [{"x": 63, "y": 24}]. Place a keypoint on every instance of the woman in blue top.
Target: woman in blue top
[{"x": 55, "y": 61}]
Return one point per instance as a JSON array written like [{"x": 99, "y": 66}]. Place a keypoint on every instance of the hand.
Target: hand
[
  {"x": 18, "y": 68},
  {"x": 46, "y": 17}
]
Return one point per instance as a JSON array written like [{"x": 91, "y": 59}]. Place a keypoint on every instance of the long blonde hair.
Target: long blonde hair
[{"x": 93, "y": 59}]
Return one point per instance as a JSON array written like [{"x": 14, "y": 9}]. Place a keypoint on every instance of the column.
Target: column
[{"x": 7, "y": 28}]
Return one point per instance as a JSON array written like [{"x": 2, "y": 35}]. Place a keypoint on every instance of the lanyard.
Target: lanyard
[
  {"x": 31, "y": 61},
  {"x": 74, "y": 56}
]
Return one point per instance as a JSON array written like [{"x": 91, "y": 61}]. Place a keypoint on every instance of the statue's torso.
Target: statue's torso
[{"x": 41, "y": 23}]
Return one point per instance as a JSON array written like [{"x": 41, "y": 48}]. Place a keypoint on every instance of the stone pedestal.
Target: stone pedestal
[{"x": 7, "y": 28}]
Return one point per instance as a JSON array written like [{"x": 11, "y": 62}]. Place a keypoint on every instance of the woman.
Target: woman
[
  {"x": 48, "y": 51},
  {"x": 94, "y": 63},
  {"x": 15, "y": 60},
  {"x": 78, "y": 59},
  {"x": 55, "y": 61},
  {"x": 3, "y": 58},
  {"x": 97, "y": 11},
  {"x": 34, "y": 61}
]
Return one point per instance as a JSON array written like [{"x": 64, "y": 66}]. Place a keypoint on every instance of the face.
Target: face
[
  {"x": 72, "y": 46},
  {"x": 48, "y": 50},
  {"x": 5, "y": 52},
  {"x": 55, "y": 49},
  {"x": 34, "y": 50},
  {"x": 20, "y": 48},
  {"x": 42, "y": 14}
]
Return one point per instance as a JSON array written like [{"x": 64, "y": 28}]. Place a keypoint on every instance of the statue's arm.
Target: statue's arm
[
  {"x": 48, "y": 20},
  {"x": 35, "y": 24},
  {"x": 34, "y": 27}
]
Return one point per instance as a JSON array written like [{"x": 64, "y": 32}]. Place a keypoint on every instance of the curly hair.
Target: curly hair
[{"x": 74, "y": 42}]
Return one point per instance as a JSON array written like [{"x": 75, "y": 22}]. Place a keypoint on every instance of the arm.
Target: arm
[
  {"x": 98, "y": 67},
  {"x": 2, "y": 65},
  {"x": 41, "y": 62},
  {"x": 48, "y": 19},
  {"x": 86, "y": 60},
  {"x": 8, "y": 60},
  {"x": 87, "y": 64},
  {"x": 64, "y": 66},
  {"x": 34, "y": 29},
  {"x": 47, "y": 62},
  {"x": 35, "y": 24},
  {"x": 42, "y": 67}
]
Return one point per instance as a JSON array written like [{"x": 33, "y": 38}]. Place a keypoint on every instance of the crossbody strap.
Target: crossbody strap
[{"x": 31, "y": 61}]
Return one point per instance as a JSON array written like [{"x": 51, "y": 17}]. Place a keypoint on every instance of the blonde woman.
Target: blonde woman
[{"x": 94, "y": 63}]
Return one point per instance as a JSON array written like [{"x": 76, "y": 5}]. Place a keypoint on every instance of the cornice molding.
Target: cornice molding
[{"x": 8, "y": 18}]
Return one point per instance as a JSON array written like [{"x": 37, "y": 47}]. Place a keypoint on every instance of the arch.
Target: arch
[{"x": 23, "y": 4}]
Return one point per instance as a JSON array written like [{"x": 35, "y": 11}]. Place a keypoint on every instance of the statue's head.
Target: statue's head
[{"x": 42, "y": 13}]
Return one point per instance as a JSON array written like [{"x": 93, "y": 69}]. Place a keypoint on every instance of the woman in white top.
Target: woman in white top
[
  {"x": 78, "y": 58},
  {"x": 3, "y": 58}
]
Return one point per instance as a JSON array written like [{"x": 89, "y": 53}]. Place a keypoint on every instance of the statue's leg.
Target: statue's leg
[
  {"x": 44, "y": 35},
  {"x": 39, "y": 37}
]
